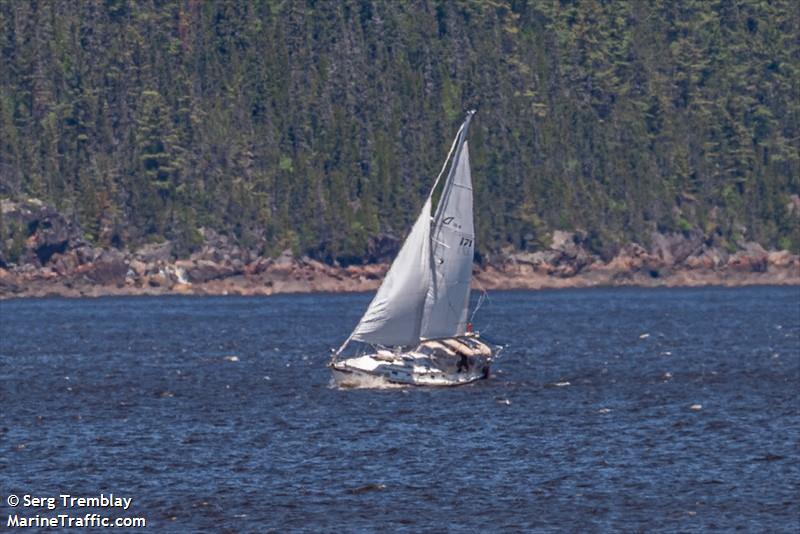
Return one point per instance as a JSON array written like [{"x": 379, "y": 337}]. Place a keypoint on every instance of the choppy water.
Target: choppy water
[{"x": 139, "y": 397}]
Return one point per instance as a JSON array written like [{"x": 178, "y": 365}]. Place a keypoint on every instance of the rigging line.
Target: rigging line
[
  {"x": 447, "y": 159},
  {"x": 484, "y": 296},
  {"x": 342, "y": 347}
]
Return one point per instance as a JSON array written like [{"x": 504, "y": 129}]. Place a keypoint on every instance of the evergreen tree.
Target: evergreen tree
[{"x": 317, "y": 125}]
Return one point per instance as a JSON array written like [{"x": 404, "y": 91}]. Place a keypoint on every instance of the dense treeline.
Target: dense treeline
[{"x": 314, "y": 125}]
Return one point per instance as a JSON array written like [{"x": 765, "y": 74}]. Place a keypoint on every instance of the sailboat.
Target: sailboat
[{"x": 416, "y": 328}]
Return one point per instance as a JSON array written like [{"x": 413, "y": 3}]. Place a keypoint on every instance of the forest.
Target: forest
[{"x": 317, "y": 125}]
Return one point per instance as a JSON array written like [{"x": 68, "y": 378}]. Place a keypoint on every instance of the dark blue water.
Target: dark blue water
[{"x": 138, "y": 396}]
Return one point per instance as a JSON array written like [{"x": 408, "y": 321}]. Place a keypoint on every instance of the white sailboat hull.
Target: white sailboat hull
[
  {"x": 450, "y": 362},
  {"x": 350, "y": 377}
]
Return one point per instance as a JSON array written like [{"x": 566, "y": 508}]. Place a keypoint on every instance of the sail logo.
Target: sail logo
[
  {"x": 447, "y": 220},
  {"x": 465, "y": 242}
]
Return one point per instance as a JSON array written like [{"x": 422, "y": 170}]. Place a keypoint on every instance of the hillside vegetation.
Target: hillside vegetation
[{"x": 315, "y": 125}]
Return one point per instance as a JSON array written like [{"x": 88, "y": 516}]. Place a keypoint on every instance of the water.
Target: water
[{"x": 587, "y": 424}]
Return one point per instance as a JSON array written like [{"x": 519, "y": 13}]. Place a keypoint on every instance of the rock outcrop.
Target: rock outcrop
[
  {"x": 47, "y": 231},
  {"x": 54, "y": 259}
]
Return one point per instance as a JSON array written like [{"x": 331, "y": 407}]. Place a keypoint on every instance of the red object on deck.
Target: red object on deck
[{"x": 469, "y": 327}]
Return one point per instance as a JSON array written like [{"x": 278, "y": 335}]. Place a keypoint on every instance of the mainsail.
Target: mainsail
[
  {"x": 426, "y": 292},
  {"x": 452, "y": 248}
]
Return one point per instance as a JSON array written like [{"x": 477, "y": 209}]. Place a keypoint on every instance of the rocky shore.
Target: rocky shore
[{"x": 55, "y": 260}]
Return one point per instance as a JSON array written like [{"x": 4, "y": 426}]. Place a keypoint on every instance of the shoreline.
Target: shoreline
[
  {"x": 302, "y": 278},
  {"x": 53, "y": 260}
]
